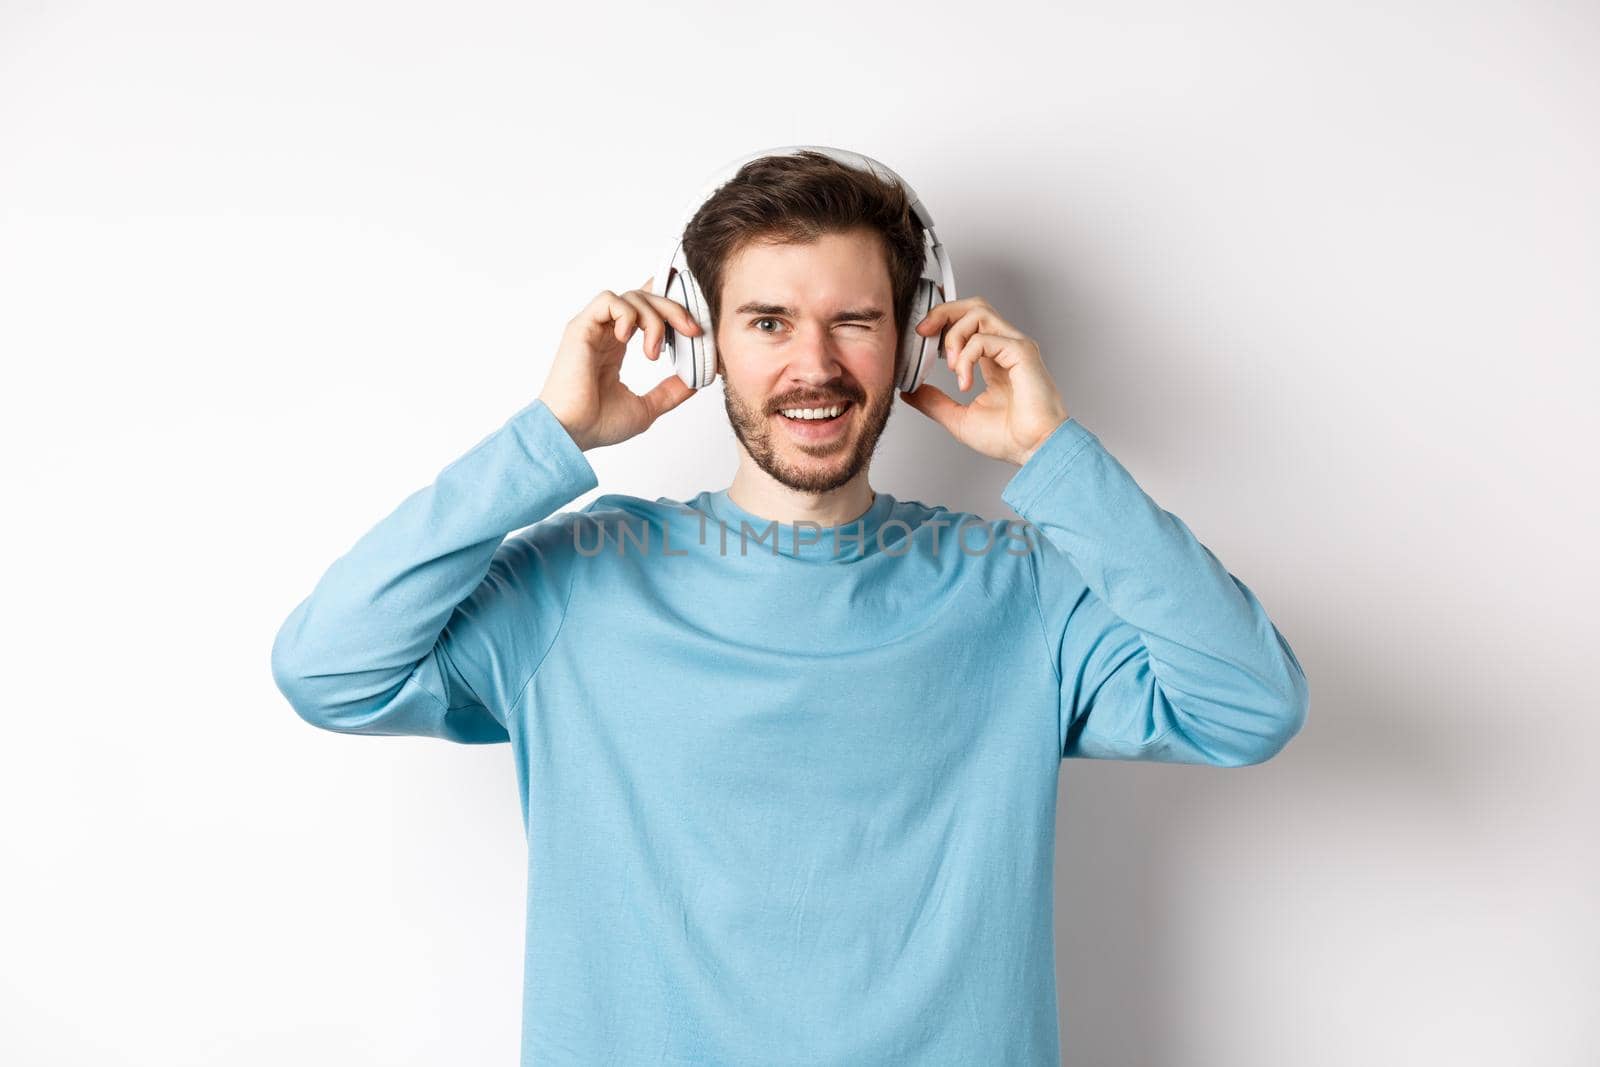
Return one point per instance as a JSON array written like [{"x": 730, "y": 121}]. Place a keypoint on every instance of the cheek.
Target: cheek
[
  {"x": 752, "y": 388},
  {"x": 875, "y": 369}
]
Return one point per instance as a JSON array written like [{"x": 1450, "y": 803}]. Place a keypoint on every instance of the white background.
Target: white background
[{"x": 1323, "y": 278}]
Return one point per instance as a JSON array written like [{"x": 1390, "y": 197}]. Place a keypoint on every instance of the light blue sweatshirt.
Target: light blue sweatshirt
[{"x": 792, "y": 803}]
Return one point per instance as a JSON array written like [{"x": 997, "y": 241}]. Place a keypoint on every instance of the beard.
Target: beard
[{"x": 823, "y": 467}]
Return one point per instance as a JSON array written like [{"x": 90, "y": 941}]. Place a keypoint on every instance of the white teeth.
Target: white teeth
[{"x": 813, "y": 413}]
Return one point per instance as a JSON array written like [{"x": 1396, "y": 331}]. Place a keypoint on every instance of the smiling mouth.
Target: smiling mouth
[
  {"x": 811, "y": 419},
  {"x": 816, "y": 431}
]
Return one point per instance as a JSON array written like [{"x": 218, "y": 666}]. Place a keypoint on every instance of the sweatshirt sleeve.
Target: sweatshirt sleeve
[
  {"x": 1161, "y": 654},
  {"x": 433, "y": 623}
]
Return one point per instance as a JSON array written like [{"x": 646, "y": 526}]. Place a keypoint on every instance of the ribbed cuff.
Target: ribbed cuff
[
  {"x": 1065, "y": 444},
  {"x": 544, "y": 439}
]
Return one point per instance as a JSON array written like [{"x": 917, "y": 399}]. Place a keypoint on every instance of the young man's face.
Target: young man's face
[{"x": 809, "y": 326}]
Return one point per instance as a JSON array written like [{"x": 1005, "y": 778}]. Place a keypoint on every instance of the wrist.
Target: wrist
[
  {"x": 567, "y": 423},
  {"x": 1021, "y": 459}
]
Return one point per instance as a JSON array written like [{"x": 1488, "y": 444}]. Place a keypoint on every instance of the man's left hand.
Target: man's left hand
[{"x": 1020, "y": 405}]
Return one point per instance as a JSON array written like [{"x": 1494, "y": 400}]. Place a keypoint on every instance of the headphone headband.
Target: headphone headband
[{"x": 840, "y": 155}]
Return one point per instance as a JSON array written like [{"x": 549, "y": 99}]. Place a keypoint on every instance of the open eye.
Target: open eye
[{"x": 758, "y": 322}]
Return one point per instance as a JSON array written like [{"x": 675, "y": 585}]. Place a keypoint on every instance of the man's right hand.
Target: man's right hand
[{"x": 584, "y": 388}]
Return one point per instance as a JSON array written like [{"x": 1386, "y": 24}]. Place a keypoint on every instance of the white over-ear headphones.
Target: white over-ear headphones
[{"x": 695, "y": 357}]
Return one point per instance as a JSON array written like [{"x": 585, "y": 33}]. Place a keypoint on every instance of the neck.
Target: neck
[{"x": 759, "y": 493}]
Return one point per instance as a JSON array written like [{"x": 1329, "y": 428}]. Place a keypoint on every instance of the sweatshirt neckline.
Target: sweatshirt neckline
[{"x": 844, "y": 542}]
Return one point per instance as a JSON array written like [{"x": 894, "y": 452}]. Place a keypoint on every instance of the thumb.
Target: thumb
[
  {"x": 668, "y": 393},
  {"x": 937, "y": 405}
]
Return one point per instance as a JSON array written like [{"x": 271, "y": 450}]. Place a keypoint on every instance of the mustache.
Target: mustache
[{"x": 815, "y": 401}]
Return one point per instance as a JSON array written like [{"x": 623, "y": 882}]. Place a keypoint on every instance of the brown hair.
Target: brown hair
[{"x": 794, "y": 199}]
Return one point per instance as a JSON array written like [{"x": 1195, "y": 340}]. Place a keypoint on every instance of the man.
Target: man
[{"x": 790, "y": 789}]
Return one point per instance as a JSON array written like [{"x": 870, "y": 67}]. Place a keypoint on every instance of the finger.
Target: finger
[
  {"x": 941, "y": 315},
  {"x": 653, "y": 349},
  {"x": 674, "y": 313},
  {"x": 650, "y": 321},
  {"x": 626, "y": 317},
  {"x": 937, "y": 405},
  {"x": 959, "y": 333},
  {"x": 973, "y": 309},
  {"x": 967, "y": 357},
  {"x": 668, "y": 393},
  {"x": 606, "y": 310},
  {"x": 994, "y": 375},
  {"x": 1000, "y": 350}
]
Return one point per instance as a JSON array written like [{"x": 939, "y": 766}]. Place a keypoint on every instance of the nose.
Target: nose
[{"x": 812, "y": 358}]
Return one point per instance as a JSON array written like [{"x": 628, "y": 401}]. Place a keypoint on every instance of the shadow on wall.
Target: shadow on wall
[
  {"x": 1124, "y": 843},
  {"x": 1122, "y": 846}
]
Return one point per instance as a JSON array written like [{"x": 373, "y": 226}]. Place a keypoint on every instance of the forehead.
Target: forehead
[{"x": 836, "y": 268}]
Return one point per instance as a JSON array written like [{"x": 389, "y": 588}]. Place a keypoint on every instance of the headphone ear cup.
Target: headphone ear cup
[
  {"x": 705, "y": 345},
  {"x": 917, "y": 352},
  {"x": 694, "y": 357}
]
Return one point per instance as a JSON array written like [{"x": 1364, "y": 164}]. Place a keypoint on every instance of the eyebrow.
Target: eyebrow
[{"x": 870, "y": 314}]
